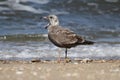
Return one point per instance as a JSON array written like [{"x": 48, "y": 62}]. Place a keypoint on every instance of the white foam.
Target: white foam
[
  {"x": 36, "y": 1},
  {"x": 15, "y": 5},
  {"x": 4, "y": 8},
  {"x": 112, "y": 1},
  {"x": 37, "y": 49},
  {"x": 54, "y": 11}
]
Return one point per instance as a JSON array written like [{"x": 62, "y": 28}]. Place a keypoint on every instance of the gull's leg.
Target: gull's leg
[
  {"x": 59, "y": 54},
  {"x": 65, "y": 53},
  {"x": 66, "y": 58}
]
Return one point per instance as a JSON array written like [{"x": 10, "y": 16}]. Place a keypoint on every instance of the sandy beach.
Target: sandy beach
[{"x": 52, "y": 70}]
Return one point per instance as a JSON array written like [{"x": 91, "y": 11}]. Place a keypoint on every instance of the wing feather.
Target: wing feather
[{"x": 62, "y": 36}]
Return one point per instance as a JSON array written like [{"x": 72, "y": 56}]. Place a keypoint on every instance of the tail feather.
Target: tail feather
[{"x": 87, "y": 42}]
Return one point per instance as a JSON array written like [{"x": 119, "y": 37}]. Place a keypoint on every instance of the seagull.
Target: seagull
[{"x": 63, "y": 37}]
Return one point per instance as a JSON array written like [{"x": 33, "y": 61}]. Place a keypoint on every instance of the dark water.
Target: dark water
[{"x": 22, "y": 34}]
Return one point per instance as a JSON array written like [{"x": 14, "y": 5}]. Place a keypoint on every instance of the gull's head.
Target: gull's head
[{"x": 52, "y": 19}]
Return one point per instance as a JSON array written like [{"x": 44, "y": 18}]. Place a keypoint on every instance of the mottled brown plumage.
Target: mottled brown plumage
[{"x": 63, "y": 37}]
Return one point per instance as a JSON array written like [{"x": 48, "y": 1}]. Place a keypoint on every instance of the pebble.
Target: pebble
[
  {"x": 75, "y": 74},
  {"x": 34, "y": 73},
  {"x": 72, "y": 75},
  {"x": 76, "y": 63},
  {"x": 19, "y": 72},
  {"x": 68, "y": 74},
  {"x": 115, "y": 70},
  {"x": 103, "y": 61},
  {"x": 39, "y": 68},
  {"x": 0, "y": 68},
  {"x": 86, "y": 60}
]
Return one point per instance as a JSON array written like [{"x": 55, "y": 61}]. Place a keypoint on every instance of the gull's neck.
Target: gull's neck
[{"x": 54, "y": 23}]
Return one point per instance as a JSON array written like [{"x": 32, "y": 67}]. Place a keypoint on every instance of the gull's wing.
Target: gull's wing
[{"x": 64, "y": 36}]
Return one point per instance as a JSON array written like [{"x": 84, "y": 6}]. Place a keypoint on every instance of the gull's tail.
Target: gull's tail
[{"x": 88, "y": 42}]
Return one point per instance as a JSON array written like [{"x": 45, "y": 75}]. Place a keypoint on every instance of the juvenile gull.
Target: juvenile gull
[{"x": 62, "y": 37}]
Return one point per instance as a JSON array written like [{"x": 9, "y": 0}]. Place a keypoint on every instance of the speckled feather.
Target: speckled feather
[{"x": 63, "y": 37}]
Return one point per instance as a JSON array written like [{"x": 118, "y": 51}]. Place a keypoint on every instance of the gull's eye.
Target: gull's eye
[{"x": 51, "y": 17}]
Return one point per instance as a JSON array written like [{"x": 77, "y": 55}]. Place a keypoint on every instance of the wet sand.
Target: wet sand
[{"x": 52, "y": 70}]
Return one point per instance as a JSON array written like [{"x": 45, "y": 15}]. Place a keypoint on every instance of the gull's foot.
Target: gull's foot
[{"x": 67, "y": 60}]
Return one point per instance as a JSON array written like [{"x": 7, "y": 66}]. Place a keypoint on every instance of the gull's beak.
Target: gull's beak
[
  {"x": 46, "y": 18},
  {"x": 46, "y": 26}
]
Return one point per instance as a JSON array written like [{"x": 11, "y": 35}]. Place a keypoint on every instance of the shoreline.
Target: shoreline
[{"x": 78, "y": 61}]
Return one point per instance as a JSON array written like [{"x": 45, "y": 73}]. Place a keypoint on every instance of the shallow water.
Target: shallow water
[
  {"x": 22, "y": 33},
  {"x": 45, "y": 50}
]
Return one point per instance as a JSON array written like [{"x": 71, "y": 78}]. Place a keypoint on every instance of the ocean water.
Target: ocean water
[{"x": 22, "y": 33}]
